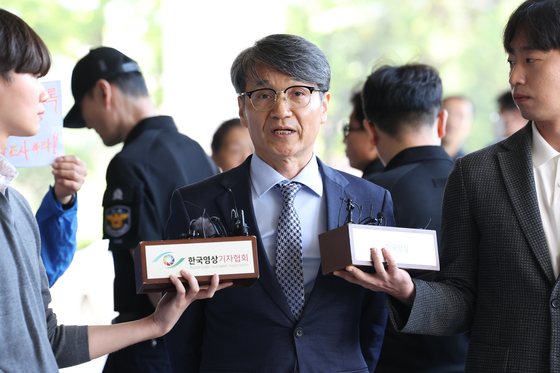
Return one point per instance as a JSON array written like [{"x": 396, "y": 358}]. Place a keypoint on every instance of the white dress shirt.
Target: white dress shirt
[
  {"x": 546, "y": 161},
  {"x": 309, "y": 205}
]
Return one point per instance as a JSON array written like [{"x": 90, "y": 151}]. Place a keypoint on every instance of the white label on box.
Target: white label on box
[
  {"x": 200, "y": 259},
  {"x": 411, "y": 248}
]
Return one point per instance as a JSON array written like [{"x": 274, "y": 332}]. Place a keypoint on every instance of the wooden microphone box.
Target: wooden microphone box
[
  {"x": 351, "y": 245},
  {"x": 233, "y": 258}
]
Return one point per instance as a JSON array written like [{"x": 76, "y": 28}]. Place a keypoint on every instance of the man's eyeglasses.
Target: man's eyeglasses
[
  {"x": 346, "y": 129},
  {"x": 296, "y": 97}
]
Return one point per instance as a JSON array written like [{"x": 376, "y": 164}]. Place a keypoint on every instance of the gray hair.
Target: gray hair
[{"x": 289, "y": 54}]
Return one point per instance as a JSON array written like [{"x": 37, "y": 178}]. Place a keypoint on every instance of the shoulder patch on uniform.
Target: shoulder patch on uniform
[
  {"x": 117, "y": 220},
  {"x": 118, "y": 195}
]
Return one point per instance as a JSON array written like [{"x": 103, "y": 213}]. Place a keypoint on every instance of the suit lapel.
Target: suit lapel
[
  {"x": 334, "y": 191},
  {"x": 517, "y": 171},
  {"x": 238, "y": 181}
]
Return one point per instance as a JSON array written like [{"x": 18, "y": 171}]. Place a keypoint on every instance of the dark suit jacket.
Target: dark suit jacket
[
  {"x": 373, "y": 169},
  {"x": 416, "y": 179},
  {"x": 496, "y": 274},
  {"x": 252, "y": 329},
  {"x": 417, "y": 176}
]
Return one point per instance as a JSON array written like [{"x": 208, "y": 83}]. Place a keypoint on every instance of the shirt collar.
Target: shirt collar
[
  {"x": 161, "y": 122},
  {"x": 417, "y": 154},
  {"x": 264, "y": 177},
  {"x": 541, "y": 150},
  {"x": 7, "y": 174}
]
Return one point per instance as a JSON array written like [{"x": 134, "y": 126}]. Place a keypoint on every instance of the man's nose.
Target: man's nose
[
  {"x": 516, "y": 75},
  {"x": 281, "y": 107}
]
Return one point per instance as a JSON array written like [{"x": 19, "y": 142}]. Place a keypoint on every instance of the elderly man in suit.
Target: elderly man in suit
[
  {"x": 406, "y": 122},
  {"x": 293, "y": 318},
  {"x": 501, "y": 213}
]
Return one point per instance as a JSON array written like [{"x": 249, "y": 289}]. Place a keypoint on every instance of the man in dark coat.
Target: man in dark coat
[
  {"x": 406, "y": 121},
  {"x": 500, "y": 218}
]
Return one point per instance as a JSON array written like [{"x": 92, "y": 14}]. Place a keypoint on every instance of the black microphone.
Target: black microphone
[
  {"x": 381, "y": 218},
  {"x": 240, "y": 228},
  {"x": 202, "y": 227}
]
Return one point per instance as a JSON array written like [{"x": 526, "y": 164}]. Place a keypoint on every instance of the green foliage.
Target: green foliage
[
  {"x": 69, "y": 28},
  {"x": 59, "y": 26},
  {"x": 462, "y": 38}
]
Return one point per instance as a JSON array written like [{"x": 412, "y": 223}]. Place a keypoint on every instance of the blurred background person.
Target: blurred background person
[
  {"x": 231, "y": 144},
  {"x": 360, "y": 151},
  {"x": 459, "y": 125},
  {"x": 510, "y": 116}
]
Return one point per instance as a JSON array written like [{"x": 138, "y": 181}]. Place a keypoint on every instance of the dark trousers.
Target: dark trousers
[{"x": 145, "y": 357}]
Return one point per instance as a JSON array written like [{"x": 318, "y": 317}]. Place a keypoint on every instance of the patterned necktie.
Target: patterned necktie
[{"x": 289, "y": 261}]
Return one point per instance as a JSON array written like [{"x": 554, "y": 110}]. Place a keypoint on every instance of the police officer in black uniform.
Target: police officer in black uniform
[{"x": 111, "y": 97}]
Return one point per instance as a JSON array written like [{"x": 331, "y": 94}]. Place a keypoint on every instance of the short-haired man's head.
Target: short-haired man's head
[
  {"x": 132, "y": 85},
  {"x": 358, "y": 106},
  {"x": 537, "y": 22},
  {"x": 21, "y": 49},
  {"x": 221, "y": 133},
  {"x": 111, "y": 65},
  {"x": 290, "y": 54},
  {"x": 402, "y": 97},
  {"x": 103, "y": 64},
  {"x": 505, "y": 101}
]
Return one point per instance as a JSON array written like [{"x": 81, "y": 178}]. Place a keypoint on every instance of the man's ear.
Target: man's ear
[
  {"x": 325, "y": 106},
  {"x": 241, "y": 106},
  {"x": 442, "y": 122},
  {"x": 371, "y": 131},
  {"x": 105, "y": 90}
]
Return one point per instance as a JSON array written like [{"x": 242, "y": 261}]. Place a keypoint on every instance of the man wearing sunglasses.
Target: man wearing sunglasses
[
  {"x": 293, "y": 319},
  {"x": 360, "y": 151}
]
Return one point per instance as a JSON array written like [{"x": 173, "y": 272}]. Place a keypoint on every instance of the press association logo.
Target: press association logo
[{"x": 167, "y": 260}]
